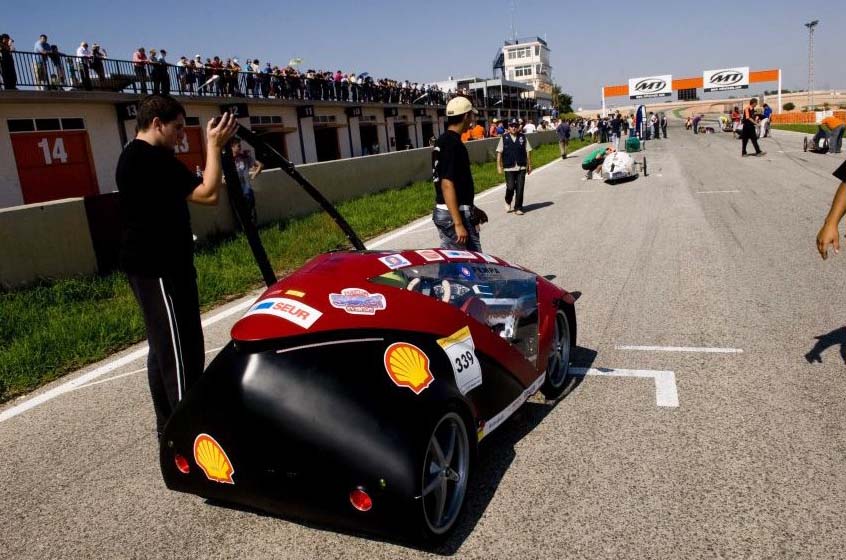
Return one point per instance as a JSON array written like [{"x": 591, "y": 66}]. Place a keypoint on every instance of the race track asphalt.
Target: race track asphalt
[{"x": 709, "y": 252}]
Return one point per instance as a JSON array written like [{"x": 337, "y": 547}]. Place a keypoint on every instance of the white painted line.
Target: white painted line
[
  {"x": 577, "y": 191},
  {"x": 73, "y": 384},
  {"x": 682, "y": 349},
  {"x": 715, "y": 192},
  {"x": 129, "y": 373},
  {"x": 666, "y": 394}
]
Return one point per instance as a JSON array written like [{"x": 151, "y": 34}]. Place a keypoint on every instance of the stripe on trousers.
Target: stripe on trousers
[{"x": 177, "y": 354}]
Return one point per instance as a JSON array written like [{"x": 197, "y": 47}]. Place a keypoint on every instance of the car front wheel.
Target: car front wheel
[{"x": 558, "y": 381}]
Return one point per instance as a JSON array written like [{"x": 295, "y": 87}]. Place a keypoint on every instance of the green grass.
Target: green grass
[
  {"x": 806, "y": 128},
  {"x": 52, "y": 328}
]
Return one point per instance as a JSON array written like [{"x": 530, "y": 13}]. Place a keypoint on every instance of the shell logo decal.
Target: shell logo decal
[
  {"x": 408, "y": 366},
  {"x": 211, "y": 457}
]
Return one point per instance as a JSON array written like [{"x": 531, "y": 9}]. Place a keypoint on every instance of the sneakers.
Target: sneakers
[
  {"x": 508, "y": 208},
  {"x": 518, "y": 212},
  {"x": 759, "y": 154}
]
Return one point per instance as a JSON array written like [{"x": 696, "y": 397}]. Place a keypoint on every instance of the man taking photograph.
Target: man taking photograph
[{"x": 157, "y": 246}]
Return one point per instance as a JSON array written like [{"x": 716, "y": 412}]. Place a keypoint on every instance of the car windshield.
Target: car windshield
[{"x": 501, "y": 297}]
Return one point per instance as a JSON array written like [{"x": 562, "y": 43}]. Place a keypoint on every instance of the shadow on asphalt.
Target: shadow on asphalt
[
  {"x": 536, "y": 206},
  {"x": 495, "y": 455},
  {"x": 826, "y": 341}
]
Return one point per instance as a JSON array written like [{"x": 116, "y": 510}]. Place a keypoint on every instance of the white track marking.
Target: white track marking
[
  {"x": 564, "y": 192},
  {"x": 69, "y": 386},
  {"x": 715, "y": 192},
  {"x": 682, "y": 349},
  {"x": 666, "y": 394},
  {"x": 130, "y": 373}
]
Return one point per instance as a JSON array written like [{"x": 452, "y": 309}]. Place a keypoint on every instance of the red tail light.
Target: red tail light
[
  {"x": 182, "y": 464},
  {"x": 360, "y": 500}
]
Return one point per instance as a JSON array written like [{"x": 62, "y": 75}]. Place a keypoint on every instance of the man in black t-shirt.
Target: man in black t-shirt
[
  {"x": 455, "y": 216},
  {"x": 157, "y": 243},
  {"x": 828, "y": 234}
]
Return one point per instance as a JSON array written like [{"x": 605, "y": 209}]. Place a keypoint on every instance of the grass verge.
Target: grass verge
[
  {"x": 52, "y": 328},
  {"x": 806, "y": 128}
]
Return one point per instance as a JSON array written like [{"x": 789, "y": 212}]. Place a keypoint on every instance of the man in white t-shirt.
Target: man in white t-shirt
[
  {"x": 514, "y": 158},
  {"x": 529, "y": 127}
]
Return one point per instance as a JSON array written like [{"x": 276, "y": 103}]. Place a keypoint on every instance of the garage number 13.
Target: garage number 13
[{"x": 57, "y": 153}]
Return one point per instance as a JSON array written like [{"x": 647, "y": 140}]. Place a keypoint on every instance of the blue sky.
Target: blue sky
[{"x": 592, "y": 43}]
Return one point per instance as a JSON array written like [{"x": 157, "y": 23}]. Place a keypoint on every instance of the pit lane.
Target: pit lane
[{"x": 749, "y": 464}]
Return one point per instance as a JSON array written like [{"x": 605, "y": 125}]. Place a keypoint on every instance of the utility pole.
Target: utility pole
[{"x": 811, "y": 25}]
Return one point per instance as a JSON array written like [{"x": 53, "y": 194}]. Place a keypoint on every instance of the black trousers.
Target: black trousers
[
  {"x": 171, "y": 310},
  {"x": 515, "y": 183},
  {"x": 747, "y": 135}
]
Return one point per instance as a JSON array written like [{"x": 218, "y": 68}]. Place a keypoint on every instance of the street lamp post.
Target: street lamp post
[{"x": 811, "y": 25}]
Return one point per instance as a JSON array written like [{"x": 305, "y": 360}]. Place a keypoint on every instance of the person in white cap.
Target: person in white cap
[{"x": 455, "y": 216}]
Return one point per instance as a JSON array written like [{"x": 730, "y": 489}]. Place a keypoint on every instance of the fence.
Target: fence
[
  {"x": 60, "y": 72},
  {"x": 809, "y": 117}
]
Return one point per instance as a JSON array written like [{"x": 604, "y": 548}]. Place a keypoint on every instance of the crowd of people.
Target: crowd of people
[{"x": 150, "y": 71}]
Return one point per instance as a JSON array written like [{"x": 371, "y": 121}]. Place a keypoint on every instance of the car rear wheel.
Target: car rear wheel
[
  {"x": 445, "y": 474},
  {"x": 805, "y": 144},
  {"x": 558, "y": 381}
]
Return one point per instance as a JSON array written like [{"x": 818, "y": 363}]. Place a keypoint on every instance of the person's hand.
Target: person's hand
[
  {"x": 529, "y": 170},
  {"x": 460, "y": 234},
  {"x": 828, "y": 235},
  {"x": 218, "y": 134}
]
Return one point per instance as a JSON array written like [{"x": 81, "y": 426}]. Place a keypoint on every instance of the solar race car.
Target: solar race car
[
  {"x": 619, "y": 166},
  {"x": 355, "y": 390}
]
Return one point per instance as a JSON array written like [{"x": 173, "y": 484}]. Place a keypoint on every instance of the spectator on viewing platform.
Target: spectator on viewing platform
[
  {"x": 514, "y": 158},
  {"x": 81, "y": 69},
  {"x": 7, "y": 63},
  {"x": 563, "y": 130},
  {"x": 98, "y": 57},
  {"x": 42, "y": 49},
  {"x": 455, "y": 216},
  {"x": 139, "y": 62},
  {"x": 182, "y": 67},
  {"x": 748, "y": 132},
  {"x": 156, "y": 250},
  {"x": 57, "y": 76},
  {"x": 829, "y": 233}
]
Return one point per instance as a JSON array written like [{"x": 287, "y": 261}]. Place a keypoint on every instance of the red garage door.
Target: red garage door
[
  {"x": 190, "y": 150},
  {"x": 53, "y": 157}
]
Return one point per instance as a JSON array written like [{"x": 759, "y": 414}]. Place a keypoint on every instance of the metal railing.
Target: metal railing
[{"x": 60, "y": 72}]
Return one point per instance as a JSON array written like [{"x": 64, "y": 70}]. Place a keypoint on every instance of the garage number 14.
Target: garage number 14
[{"x": 57, "y": 153}]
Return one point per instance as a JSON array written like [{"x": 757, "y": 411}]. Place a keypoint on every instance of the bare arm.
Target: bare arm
[
  {"x": 828, "y": 234},
  {"x": 499, "y": 163},
  {"x": 208, "y": 192}
]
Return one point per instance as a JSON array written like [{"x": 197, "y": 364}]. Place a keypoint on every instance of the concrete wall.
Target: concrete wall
[{"x": 49, "y": 240}]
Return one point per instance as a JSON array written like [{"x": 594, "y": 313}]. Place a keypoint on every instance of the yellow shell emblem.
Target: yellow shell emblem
[
  {"x": 211, "y": 457},
  {"x": 408, "y": 366}
]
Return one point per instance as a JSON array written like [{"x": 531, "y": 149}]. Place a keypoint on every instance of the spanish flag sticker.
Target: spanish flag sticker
[
  {"x": 211, "y": 457},
  {"x": 408, "y": 366}
]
